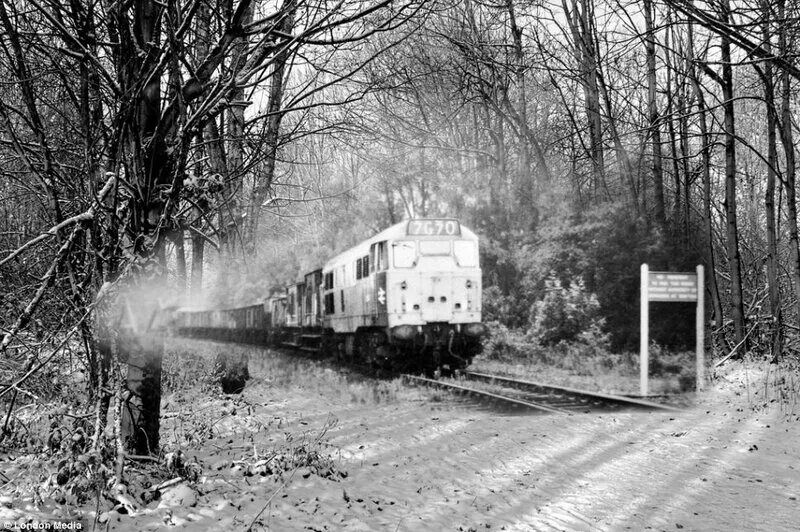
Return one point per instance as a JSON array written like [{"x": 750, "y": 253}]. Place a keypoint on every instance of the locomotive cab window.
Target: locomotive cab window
[
  {"x": 466, "y": 254},
  {"x": 379, "y": 257},
  {"x": 404, "y": 254}
]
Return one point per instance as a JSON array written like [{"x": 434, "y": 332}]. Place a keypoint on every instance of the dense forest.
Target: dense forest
[{"x": 198, "y": 152}]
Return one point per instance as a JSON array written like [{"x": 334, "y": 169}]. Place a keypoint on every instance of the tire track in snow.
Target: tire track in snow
[
  {"x": 647, "y": 486},
  {"x": 545, "y": 460}
]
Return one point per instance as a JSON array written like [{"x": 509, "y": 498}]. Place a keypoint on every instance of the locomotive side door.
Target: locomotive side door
[{"x": 378, "y": 266}]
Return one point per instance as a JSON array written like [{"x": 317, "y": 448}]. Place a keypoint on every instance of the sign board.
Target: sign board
[
  {"x": 672, "y": 287},
  {"x": 668, "y": 287}
]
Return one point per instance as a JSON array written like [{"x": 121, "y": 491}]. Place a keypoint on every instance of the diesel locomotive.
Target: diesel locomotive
[{"x": 409, "y": 297}]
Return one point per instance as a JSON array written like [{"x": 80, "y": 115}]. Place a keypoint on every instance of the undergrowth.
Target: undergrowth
[
  {"x": 770, "y": 382},
  {"x": 586, "y": 360}
]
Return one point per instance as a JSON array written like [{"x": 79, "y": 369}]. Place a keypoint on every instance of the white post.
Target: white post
[
  {"x": 644, "y": 331},
  {"x": 700, "y": 329}
]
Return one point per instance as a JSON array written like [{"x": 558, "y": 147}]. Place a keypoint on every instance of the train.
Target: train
[{"x": 408, "y": 297}]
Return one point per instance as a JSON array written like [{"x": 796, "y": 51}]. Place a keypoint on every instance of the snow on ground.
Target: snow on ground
[
  {"x": 413, "y": 464},
  {"x": 729, "y": 463}
]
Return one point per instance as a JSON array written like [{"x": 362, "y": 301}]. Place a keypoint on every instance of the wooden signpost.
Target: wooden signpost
[{"x": 671, "y": 287}]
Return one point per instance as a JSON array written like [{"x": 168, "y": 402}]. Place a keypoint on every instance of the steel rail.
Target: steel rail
[
  {"x": 484, "y": 393},
  {"x": 610, "y": 398}
]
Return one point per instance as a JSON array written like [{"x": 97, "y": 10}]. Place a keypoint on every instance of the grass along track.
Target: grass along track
[{"x": 497, "y": 389}]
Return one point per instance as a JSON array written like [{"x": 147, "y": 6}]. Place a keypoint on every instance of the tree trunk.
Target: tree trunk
[
  {"x": 148, "y": 148},
  {"x": 769, "y": 199},
  {"x": 653, "y": 116},
  {"x": 198, "y": 254},
  {"x": 672, "y": 113},
  {"x": 214, "y": 169},
  {"x": 230, "y": 205},
  {"x": 623, "y": 159},
  {"x": 142, "y": 352},
  {"x": 732, "y": 229},
  {"x": 790, "y": 180},
  {"x": 716, "y": 302},
  {"x": 527, "y": 139},
  {"x": 580, "y": 18},
  {"x": 180, "y": 259},
  {"x": 681, "y": 162},
  {"x": 263, "y": 182},
  {"x": 683, "y": 124}
]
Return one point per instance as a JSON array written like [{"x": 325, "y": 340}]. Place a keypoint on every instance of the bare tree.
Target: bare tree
[{"x": 154, "y": 83}]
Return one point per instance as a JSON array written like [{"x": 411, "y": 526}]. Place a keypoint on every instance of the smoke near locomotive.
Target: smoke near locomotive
[{"x": 409, "y": 297}]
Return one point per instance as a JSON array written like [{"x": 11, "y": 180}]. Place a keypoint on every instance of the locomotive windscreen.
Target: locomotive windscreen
[
  {"x": 466, "y": 253},
  {"x": 405, "y": 254}
]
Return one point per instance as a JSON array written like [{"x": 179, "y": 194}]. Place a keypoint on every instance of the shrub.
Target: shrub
[
  {"x": 496, "y": 305},
  {"x": 501, "y": 343},
  {"x": 231, "y": 371},
  {"x": 511, "y": 310},
  {"x": 565, "y": 314},
  {"x": 664, "y": 362}
]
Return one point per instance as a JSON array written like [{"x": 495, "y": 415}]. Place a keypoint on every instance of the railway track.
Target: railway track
[
  {"x": 514, "y": 392},
  {"x": 536, "y": 396}
]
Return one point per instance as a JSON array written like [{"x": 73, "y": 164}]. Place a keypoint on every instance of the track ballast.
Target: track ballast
[{"x": 536, "y": 396}]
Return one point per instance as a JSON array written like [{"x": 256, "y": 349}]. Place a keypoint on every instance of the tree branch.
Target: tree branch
[
  {"x": 53, "y": 231},
  {"x": 705, "y": 19}
]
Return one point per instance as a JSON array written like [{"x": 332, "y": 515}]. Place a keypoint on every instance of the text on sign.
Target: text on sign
[{"x": 672, "y": 287}]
